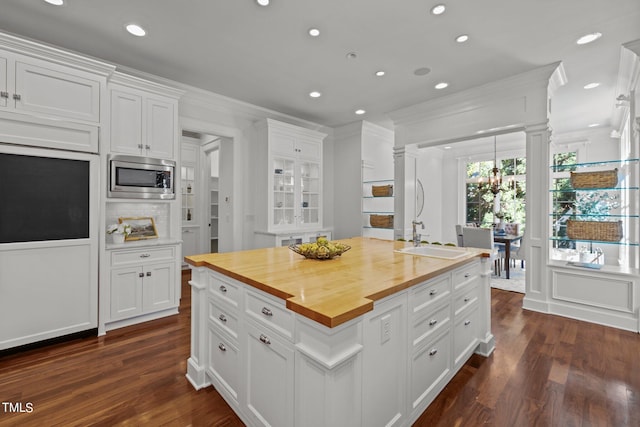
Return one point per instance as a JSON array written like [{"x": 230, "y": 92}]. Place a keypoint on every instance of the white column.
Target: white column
[
  {"x": 538, "y": 221},
  {"x": 405, "y": 164},
  {"x": 196, "y": 362}
]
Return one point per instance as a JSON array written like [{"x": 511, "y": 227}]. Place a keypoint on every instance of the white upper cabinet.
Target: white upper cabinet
[
  {"x": 47, "y": 89},
  {"x": 143, "y": 122},
  {"x": 289, "y": 176}
]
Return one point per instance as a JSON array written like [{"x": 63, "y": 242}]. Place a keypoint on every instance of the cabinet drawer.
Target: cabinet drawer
[
  {"x": 223, "y": 365},
  {"x": 465, "y": 275},
  {"x": 430, "y": 324},
  {"x": 430, "y": 366},
  {"x": 270, "y": 312},
  {"x": 137, "y": 256},
  {"x": 226, "y": 319},
  {"x": 429, "y": 293},
  {"x": 465, "y": 335},
  {"x": 224, "y": 291},
  {"x": 466, "y": 299}
]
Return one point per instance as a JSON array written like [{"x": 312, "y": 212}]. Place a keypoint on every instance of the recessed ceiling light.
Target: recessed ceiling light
[
  {"x": 441, "y": 85},
  {"x": 360, "y": 112},
  {"x": 462, "y": 38},
  {"x": 136, "y": 30},
  {"x": 591, "y": 85},
  {"x": 315, "y": 94},
  {"x": 380, "y": 73},
  {"x": 589, "y": 38},
  {"x": 55, "y": 2},
  {"x": 594, "y": 125},
  {"x": 263, "y": 2},
  {"x": 438, "y": 9},
  {"x": 314, "y": 32},
  {"x": 423, "y": 71}
]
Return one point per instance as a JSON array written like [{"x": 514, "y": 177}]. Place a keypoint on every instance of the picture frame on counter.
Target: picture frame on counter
[{"x": 142, "y": 227}]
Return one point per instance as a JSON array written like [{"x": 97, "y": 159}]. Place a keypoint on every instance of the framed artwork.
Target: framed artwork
[{"x": 142, "y": 227}]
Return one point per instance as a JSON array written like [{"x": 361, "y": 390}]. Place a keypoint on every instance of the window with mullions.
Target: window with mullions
[
  {"x": 564, "y": 198},
  {"x": 480, "y": 200}
]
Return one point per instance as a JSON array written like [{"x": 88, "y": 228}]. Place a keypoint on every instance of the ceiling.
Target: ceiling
[{"x": 264, "y": 55}]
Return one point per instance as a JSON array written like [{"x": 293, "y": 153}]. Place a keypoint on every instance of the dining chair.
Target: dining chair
[{"x": 476, "y": 237}]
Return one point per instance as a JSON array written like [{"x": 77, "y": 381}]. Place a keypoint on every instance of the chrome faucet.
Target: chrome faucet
[{"x": 416, "y": 235}]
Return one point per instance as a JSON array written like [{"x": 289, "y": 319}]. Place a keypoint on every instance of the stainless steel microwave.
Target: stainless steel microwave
[{"x": 141, "y": 177}]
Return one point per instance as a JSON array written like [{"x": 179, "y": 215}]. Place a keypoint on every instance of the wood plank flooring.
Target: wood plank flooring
[{"x": 545, "y": 371}]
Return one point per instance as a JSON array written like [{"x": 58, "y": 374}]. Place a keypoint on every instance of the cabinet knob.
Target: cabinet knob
[
  {"x": 145, "y": 255},
  {"x": 433, "y": 291},
  {"x": 432, "y": 322},
  {"x": 148, "y": 147},
  {"x": 4, "y": 94},
  {"x": 467, "y": 322},
  {"x": 222, "y": 347},
  {"x": 466, "y": 275},
  {"x": 433, "y": 352},
  {"x": 140, "y": 146},
  {"x": 265, "y": 339},
  {"x": 223, "y": 318},
  {"x": 467, "y": 299},
  {"x": 223, "y": 288},
  {"x": 266, "y": 311},
  {"x": 148, "y": 274},
  {"x": 140, "y": 274},
  {"x": 17, "y": 97}
]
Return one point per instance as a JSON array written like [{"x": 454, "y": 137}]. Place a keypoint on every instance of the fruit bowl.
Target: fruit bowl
[{"x": 322, "y": 249}]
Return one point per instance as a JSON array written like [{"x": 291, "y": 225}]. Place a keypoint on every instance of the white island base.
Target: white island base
[{"x": 275, "y": 367}]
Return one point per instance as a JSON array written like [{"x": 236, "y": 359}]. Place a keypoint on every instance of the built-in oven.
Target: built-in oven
[{"x": 141, "y": 177}]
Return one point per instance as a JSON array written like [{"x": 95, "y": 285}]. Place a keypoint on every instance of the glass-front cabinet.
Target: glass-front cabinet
[{"x": 187, "y": 175}]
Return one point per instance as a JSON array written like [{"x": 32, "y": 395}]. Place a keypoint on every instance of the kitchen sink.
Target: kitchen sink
[{"x": 433, "y": 251}]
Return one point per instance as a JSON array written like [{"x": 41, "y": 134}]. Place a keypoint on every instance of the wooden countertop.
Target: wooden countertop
[{"x": 334, "y": 291}]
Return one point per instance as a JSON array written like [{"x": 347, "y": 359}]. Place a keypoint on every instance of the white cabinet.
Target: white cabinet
[
  {"x": 34, "y": 86},
  {"x": 269, "y": 383},
  {"x": 142, "y": 281},
  {"x": 288, "y": 167},
  {"x": 268, "y": 240},
  {"x": 143, "y": 123}
]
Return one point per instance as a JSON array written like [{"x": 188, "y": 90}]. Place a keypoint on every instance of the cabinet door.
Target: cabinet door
[
  {"x": 224, "y": 364},
  {"x": 310, "y": 193},
  {"x": 126, "y": 123},
  {"x": 56, "y": 90},
  {"x": 430, "y": 366},
  {"x": 4, "y": 89},
  {"x": 283, "y": 199},
  {"x": 190, "y": 241},
  {"x": 160, "y": 128},
  {"x": 126, "y": 292},
  {"x": 309, "y": 150},
  {"x": 158, "y": 287},
  {"x": 269, "y": 378}
]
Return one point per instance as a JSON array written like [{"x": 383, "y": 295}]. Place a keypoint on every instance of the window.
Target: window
[
  {"x": 563, "y": 198},
  {"x": 480, "y": 201}
]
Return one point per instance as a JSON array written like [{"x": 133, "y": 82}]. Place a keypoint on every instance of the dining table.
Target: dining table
[{"x": 506, "y": 240}]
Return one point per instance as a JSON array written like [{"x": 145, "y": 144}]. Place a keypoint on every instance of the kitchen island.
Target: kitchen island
[{"x": 367, "y": 338}]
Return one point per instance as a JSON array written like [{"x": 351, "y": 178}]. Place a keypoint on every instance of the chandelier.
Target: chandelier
[{"x": 495, "y": 180}]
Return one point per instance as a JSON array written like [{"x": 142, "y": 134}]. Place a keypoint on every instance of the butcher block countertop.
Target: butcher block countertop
[{"x": 332, "y": 292}]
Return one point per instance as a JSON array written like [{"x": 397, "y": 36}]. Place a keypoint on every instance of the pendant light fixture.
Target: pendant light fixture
[{"x": 495, "y": 180}]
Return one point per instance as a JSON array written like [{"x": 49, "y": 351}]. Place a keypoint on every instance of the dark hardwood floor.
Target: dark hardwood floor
[{"x": 545, "y": 371}]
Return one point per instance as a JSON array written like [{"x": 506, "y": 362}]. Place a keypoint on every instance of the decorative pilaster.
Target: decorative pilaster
[{"x": 405, "y": 166}]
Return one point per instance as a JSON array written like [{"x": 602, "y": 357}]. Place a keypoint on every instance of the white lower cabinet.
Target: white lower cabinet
[
  {"x": 142, "y": 282},
  {"x": 277, "y": 368},
  {"x": 269, "y": 377}
]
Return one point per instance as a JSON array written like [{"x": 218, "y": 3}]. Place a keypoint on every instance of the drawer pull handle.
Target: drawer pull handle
[
  {"x": 266, "y": 311},
  {"x": 17, "y": 97},
  {"x": 222, "y": 347},
  {"x": 466, "y": 275},
  {"x": 223, "y": 318},
  {"x": 467, "y": 322},
  {"x": 265, "y": 339},
  {"x": 148, "y": 147},
  {"x": 148, "y": 274},
  {"x": 140, "y": 274},
  {"x": 145, "y": 255},
  {"x": 433, "y": 352},
  {"x": 4, "y": 94},
  {"x": 432, "y": 322},
  {"x": 223, "y": 288},
  {"x": 467, "y": 299},
  {"x": 433, "y": 291},
  {"x": 140, "y": 146}
]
